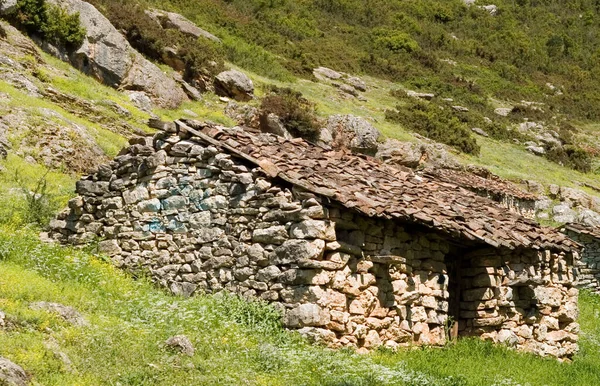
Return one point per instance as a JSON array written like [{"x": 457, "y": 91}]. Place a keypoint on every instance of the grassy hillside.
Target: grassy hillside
[{"x": 509, "y": 55}]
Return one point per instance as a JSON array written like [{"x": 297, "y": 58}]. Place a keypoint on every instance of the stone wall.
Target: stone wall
[
  {"x": 199, "y": 220},
  {"x": 524, "y": 299},
  {"x": 588, "y": 265}
]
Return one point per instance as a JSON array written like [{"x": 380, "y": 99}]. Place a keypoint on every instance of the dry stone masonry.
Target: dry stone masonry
[
  {"x": 354, "y": 253},
  {"x": 588, "y": 266}
]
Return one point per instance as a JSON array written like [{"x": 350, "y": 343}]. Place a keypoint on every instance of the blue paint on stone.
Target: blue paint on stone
[{"x": 155, "y": 226}]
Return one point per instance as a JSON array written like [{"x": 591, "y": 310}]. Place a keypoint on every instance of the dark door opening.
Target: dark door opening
[{"x": 453, "y": 267}]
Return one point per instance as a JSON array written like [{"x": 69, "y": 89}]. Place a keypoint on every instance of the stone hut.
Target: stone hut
[
  {"x": 354, "y": 253},
  {"x": 588, "y": 265}
]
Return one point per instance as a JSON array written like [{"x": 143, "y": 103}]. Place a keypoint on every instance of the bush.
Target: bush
[
  {"x": 434, "y": 122},
  {"x": 297, "y": 114},
  {"x": 40, "y": 205},
  {"x": 51, "y": 22},
  {"x": 570, "y": 156}
]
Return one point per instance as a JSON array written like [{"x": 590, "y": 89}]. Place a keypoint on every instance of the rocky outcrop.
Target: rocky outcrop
[
  {"x": 416, "y": 154},
  {"x": 234, "y": 84},
  {"x": 351, "y": 132},
  {"x": 106, "y": 55},
  {"x": 12, "y": 374},
  {"x": 69, "y": 314},
  {"x": 172, "y": 20},
  {"x": 348, "y": 85},
  {"x": 7, "y": 6},
  {"x": 182, "y": 344}
]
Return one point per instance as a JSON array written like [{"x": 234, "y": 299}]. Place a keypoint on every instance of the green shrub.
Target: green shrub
[
  {"x": 297, "y": 114},
  {"x": 51, "y": 22},
  {"x": 40, "y": 205},
  {"x": 570, "y": 156},
  {"x": 434, "y": 122}
]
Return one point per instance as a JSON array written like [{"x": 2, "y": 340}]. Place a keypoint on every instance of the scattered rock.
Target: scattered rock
[
  {"x": 324, "y": 73},
  {"x": 68, "y": 313},
  {"x": 354, "y": 133},
  {"x": 106, "y": 55},
  {"x": 140, "y": 100},
  {"x": 420, "y": 95},
  {"x": 182, "y": 344},
  {"x": 460, "y": 109},
  {"x": 234, "y": 84},
  {"x": 270, "y": 123},
  {"x": 2, "y": 319},
  {"x": 347, "y": 89},
  {"x": 415, "y": 155},
  {"x": 243, "y": 114},
  {"x": 563, "y": 213},
  {"x": 7, "y": 6},
  {"x": 491, "y": 8},
  {"x": 171, "y": 20},
  {"x": 479, "y": 131},
  {"x": 357, "y": 83},
  {"x": 503, "y": 111},
  {"x": 588, "y": 218},
  {"x": 12, "y": 374},
  {"x": 537, "y": 150}
]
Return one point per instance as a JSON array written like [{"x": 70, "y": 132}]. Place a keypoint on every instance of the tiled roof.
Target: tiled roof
[
  {"x": 494, "y": 185},
  {"x": 582, "y": 229},
  {"x": 377, "y": 190}
]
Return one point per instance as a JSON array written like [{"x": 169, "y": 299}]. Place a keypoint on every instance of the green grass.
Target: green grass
[{"x": 209, "y": 109}]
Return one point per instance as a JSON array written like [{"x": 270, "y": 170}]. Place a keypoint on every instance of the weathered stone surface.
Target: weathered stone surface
[
  {"x": 106, "y": 55},
  {"x": 172, "y": 20},
  {"x": 110, "y": 247},
  {"x": 293, "y": 251},
  {"x": 307, "y": 315},
  {"x": 313, "y": 229},
  {"x": 272, "y": 235},
  {"x": 354, "y": 133},
  {"x": 7, "y": 6},
  {"x": 324, "y": 73},
  {"x": 12, "y": 374},
  {"x": 234, "y": 84},
  {"x": 182, "y": 344},
  {"x": 68, "y": 313}
]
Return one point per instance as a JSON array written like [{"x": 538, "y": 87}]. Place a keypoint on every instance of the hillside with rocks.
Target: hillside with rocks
[{"x": 424, "y": 88}]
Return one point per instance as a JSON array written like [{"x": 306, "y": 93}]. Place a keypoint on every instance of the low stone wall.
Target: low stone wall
[
  {"x": 199, "y": 220},
  {"x": 524, "y": 299},
  {"x": 588, "y": 265}
]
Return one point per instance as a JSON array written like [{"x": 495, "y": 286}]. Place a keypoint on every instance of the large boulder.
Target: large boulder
[
  {"x": 351, "y": 132},
  {"x": 234, "y": 84},
  {"x": 172, "y": 20},
  {"x": 12, "y": 374},
  {"x": 414, "y": 155},
  {"x": 106, "y": 55},
  {"x": 7, "y": 6}
]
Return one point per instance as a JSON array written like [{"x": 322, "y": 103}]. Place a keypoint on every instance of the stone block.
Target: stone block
[
  {"x": 313, "y": 229},
  {"x": 306, "y": 315},
  {"x": 272, "y": 235}
]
